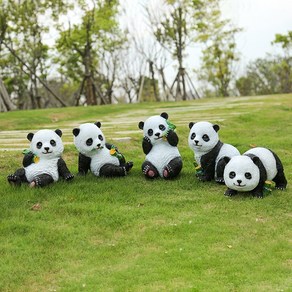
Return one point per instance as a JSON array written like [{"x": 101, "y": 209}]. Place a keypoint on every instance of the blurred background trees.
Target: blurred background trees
[{"x": 66, "y": 52}]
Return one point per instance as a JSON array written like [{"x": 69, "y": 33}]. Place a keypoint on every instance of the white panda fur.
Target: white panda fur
[
  {"x": 155, "y": 130},
  {"x": 42, "y": 163},
  {"x": 97, "y": 152},
  {"x": 203, "y": 138},
  {"x": 248, "y": 172},
  {"x": 47, "y": 160}
]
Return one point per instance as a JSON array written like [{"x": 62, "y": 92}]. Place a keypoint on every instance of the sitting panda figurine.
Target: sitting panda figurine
[
  {"x": 42, "y": 163},
  {"x": 209, "y": 151},
  {"x": 249, "y": 172},
  {"x": 101, "y": 158},
  {"x": 160, "y": 146}
]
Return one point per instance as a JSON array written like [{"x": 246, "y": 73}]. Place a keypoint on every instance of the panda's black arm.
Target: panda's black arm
[
  {"x": 146, "y": 145},
  {"x": 63, "y": 170},
  {"x": 172, "y": 138},
  {"x": 28, "y": 159},
  {"x": 83, "y": 164},
  {"x": 109, "y": 146}
]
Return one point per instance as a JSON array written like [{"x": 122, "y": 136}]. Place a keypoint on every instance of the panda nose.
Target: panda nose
[
  {"x": 196, "y": 141},
  {"x": 98, "y": 145},
  {"x": 239, "y": 181},
  {"x": 157, "y": 134},
  {"x": 47, "y": 148}
]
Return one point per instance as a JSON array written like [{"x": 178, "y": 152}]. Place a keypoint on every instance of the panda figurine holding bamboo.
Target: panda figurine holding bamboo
[
  {"x": 209, "y": 151},
  {"x": 42, "y": 163},
  {"x": 101, "y": 158},
  {"x": 160, "y": 146},
  {"x": 250, "y": 171}
]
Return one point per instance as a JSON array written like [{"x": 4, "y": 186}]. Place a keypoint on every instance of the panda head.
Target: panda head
[
  {"x": 88, "y": 138},
  {"x": 203, "y": 136},
  {"x": 155, "y": 128},
  {"x": 242, "y": 173},
  {"x": 46, "y": 143}
]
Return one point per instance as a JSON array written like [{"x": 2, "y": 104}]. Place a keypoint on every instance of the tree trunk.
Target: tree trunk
[{"x": 5, "y": 101}]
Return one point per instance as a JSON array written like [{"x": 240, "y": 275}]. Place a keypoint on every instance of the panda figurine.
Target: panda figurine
[
  {"x": 249, "y": 172},
  {"x": 101, "y": 158},
  {"x": 209, "y": 151},
  {"x": 42, "y": 163},
  {"x": 160, "y": 146}
]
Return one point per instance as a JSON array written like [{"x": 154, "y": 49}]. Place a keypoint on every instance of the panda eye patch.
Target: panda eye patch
[
  {"x": 39, "y": 145},
  {"x": 193, "y": 136},
  {"x": 162, "y": 127},
  {"x": 100, "y": 137},
  {"x": 206, "y": 138},
  {"x": 89, "y": 142},
  {"x": 232, "y": 174},
  {"x": 247, "y": 175},
  {"x": 53, "y": 142},
  {"x": 150, "y": 132}
]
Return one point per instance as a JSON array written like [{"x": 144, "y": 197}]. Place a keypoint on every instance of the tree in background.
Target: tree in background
[
  {"x": 220, "y": 54},
  {"x": 82, "y": 46},
  {"x": 24, "y": 50},
  {"x": 176, "y": 27}
]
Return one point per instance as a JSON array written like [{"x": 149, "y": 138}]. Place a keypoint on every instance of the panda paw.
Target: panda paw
[
  {"x": 219, "y": 180},
  {"x": 69, "y": 177},
  {"x": 150, "y": 173},
  {"x": 280, "y": 187},
  {"x": 14, "y": 179},
  {"x": 230, "y": 193}
]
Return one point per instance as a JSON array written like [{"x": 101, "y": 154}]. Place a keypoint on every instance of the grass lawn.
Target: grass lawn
[{"x": 133, "y": 234}]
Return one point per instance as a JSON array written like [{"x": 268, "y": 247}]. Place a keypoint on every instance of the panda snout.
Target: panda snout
[
  {"x": 157, "y": 134},
  {"x": 47, "y": 150},
  {"x": 196, "y": 142},
  {"x": 239, "y": 181},
  {"x": 98, "y": 145}
]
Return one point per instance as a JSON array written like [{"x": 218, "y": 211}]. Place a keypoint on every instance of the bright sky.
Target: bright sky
[{"x": 261, "y": 20}]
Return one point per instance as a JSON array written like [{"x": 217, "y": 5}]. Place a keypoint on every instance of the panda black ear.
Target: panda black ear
[
  {"x": 98, "y": 124},
  {"x": 30, "y": 136},
  {"x": 141, "y": 125},
  {"x": 226, "y": 159},
  {"x": 76, "y": 132},
  {"x": 164, "y": 115},
  {"x": 216, "y": 128},
  {"x": 256, "y": 160},
  {"x": 59, "y": 132},
  {"x": 191, "y": 124}
]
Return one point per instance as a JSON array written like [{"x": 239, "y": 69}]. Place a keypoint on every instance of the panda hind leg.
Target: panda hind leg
[
  {"x": 173, "y": 168},
  {"x": 17, "y": 178},
  {"x": 149, "y": 170},
  {"x": 41, "y": 180},
  {"x": 280, "y": 181}
]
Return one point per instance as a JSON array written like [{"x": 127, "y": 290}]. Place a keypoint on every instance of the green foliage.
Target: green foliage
[
  {"x": 132, "y": 234},
  {"x": 268, "y": 75}
]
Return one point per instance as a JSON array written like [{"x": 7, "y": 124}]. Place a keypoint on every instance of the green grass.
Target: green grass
[{"x": 131, "y": 234}]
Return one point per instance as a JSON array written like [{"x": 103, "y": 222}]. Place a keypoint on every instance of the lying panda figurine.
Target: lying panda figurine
[
  {"x": 209, "y": 151},
  {"x": 42, "y": 163},
  {"x": 160, "y": 146},
  {"x": 248, "y": 172},
  {"x": 101, "y": 158}
]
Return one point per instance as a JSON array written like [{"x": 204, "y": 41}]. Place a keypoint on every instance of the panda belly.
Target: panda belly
[
  {"x": 49, "y": 167},
  {"x": 161, "y": 154},
  {"x": 100, "y": 159},
  {"x": 268, "y": 160}
]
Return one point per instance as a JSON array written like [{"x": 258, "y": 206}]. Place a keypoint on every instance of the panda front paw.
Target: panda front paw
[
  {"x": 69, "y": 177},
  {"x": 258, "y": 195},
  {"x": 129, "y": 165},
  {"x": 230, "y": 193},
  {"x": 14, "y": 179},
  {"x": 280, "y": 187},
  {"x": 219, "y": 180}
]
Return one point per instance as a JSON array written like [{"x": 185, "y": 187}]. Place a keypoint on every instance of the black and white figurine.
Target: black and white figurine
[
  {"x": 101, "y": 158},
  {"x": 250, "y": 171},
  {"x": 42, "y": 163},
  {"x": 160, "y": 146},
  {"x": 209, "y": 151}
]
